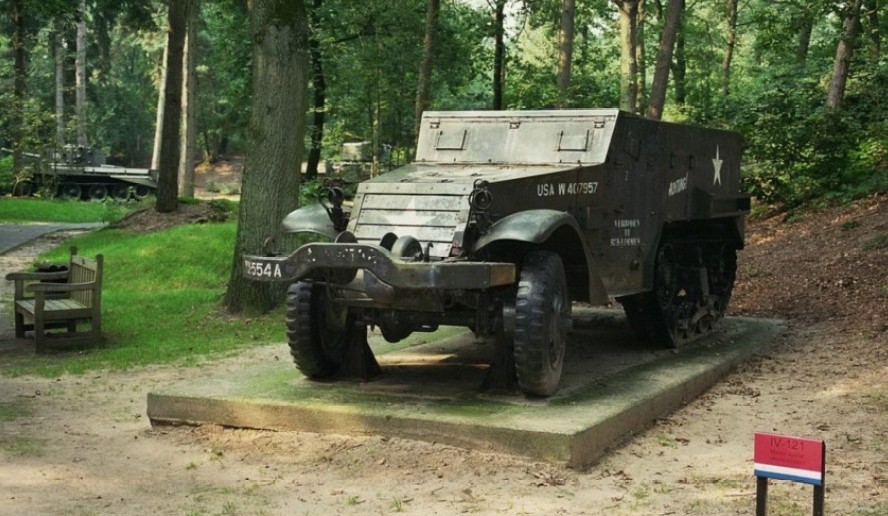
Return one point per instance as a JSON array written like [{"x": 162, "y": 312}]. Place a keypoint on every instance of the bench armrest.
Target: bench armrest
[
  {"x": 36, "y": 276},
  {"x": 61, "y": 287}
]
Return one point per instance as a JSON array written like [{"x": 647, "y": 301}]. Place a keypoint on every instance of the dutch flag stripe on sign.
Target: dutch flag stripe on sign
[{"x": 784, "y": 473}]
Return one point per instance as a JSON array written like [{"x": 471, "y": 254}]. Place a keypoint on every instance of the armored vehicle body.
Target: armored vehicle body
[{"x": 504, "y": 220}]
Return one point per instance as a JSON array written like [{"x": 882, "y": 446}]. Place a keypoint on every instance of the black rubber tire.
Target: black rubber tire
[
  {"x": 542, "y": 320},
  {"x": 97, "y": 192},
  {"x": 69, "y": 191},
  {"x": 317, "y": 343}
]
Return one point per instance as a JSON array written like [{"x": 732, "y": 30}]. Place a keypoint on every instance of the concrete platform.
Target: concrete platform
[{"x": 612, "y": 387}]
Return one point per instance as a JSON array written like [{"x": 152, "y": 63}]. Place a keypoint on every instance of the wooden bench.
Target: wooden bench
[{"x": 51, "y": 300}]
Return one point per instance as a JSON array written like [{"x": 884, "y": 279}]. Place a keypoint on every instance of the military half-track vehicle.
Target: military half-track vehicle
[
  {"x": 505, "y": 219},
  {"x": 80, "y": 172}
]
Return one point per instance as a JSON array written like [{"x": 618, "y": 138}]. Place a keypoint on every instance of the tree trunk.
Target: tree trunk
[
  {"x": 628, "y": 61},
  {"x": 279, "y": 39},
  {"x": 844, "y": 53},
  {"x": 729, "y": 49},
  {"x": 423, "y": 91},
  {"x": 18, "y": 88},
  {"x": 671, "y": 26},
  {"x": 376, "y": 131},
  {"x": 319, "y": 81},
  {"x": 189, "y": 85},
  {"x": 806, "y": 26},
  {"x": 80, "y": 76},
  {"x": 565, "y": 50},
  {"x": 170, "y": 145},
  {"x": 59, "y": 47},
  {"x": 875, "y": 32},
  {"x": 640, "y": 58},
  {"x": 161, "y": 102},
  {"x": 679, "y": 68},
  {"x": 499, "y": 53}
]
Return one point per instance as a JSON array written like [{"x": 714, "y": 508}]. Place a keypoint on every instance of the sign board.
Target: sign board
[{"x": 789, "y": 458}]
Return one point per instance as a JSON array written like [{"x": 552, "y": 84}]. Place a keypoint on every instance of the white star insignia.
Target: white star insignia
[{"x": 717, "y": 163}]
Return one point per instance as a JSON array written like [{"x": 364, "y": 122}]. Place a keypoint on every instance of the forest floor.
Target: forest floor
[{"x": 83, "y": 444}]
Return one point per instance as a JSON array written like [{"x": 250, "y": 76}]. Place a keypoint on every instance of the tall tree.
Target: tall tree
[
  {"x": 671, "y": 26},
  {"x": 499, "y": 52},
  {"x": 170, "y": 146},
  {"x": 319, "y": 83},
  {"x": 640, "y": 57},
  {"x": 279, "y": 40},
  {"x": 189, "y": 89},
  {"x": 874, "y": 30},
  {"x": 679, "y": 67},
  {"x": 844, "y": 53},
  {"x": 423, "y": 90},
  {"x": 805, "y": 28},
  {"x": 161, "y": 105},
  {"x": 565, "y": 49},
  {"x": 731, "y": 42},
  {"x": 17, "y": 17},
  {"x": 80, "y": 74},
  {"x": 628, "y": 10},
  {"x": 58, "y": 44}
]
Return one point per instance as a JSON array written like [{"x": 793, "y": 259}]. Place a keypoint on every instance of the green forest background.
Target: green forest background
[{"x": 759, "y": 67}]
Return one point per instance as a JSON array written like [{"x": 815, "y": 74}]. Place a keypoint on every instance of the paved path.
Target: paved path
[{"x": 14, "y": 235}]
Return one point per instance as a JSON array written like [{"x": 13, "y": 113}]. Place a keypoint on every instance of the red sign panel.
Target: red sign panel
[{"x": 789, "y": 458}]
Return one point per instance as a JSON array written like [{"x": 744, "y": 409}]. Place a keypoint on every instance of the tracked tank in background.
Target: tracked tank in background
[{"x": 80, "y": 172}]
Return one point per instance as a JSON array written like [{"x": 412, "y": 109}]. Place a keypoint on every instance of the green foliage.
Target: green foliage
[
  {"x": 796, "y": 150},
  {"x": 160, "y": 301},
  {"x": 7, "y": 177}
]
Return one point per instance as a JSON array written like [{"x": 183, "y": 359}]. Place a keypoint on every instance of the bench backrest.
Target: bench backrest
[{"x": 84, "y": 270}]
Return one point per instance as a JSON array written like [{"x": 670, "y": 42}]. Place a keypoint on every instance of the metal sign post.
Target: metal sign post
[{"x": 783, "y": 457}]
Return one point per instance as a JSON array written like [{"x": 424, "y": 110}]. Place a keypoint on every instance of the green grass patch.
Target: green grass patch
[
  {"x": 161, "y": 301},
  {"x": 18, "y": 446},
  {"x": 10, "y": 411},
  {"x": 14, "y": 209}
]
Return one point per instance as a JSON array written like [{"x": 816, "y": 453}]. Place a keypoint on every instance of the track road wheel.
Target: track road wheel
[
  {"x": 97, "y": 192},
  {"x": 120, "y": 192},
  {"x": 653, "y": 316},
  {"x": 69, "y": 191},
  {"x": 542, "y": 321},
  {"x": 317, "y": 330}
]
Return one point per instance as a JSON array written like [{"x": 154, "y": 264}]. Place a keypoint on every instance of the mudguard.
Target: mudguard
[
  {"x": 310, "y": 219},
  {"x": 537, "y": 227}
]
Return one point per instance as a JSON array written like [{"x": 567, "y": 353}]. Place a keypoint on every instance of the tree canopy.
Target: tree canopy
[{"x": 804, "y": 82}]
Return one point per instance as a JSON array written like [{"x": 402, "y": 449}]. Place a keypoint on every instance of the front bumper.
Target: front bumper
[{"x": 325, "y": 260}]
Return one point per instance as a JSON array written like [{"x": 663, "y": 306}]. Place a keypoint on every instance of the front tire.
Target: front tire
[
  {"x": 317, "y": 330},
  {"x": 542, "y": 321}
]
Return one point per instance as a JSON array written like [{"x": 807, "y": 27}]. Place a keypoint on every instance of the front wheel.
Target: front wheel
[
  {"x": 542, "y": 321},
  {"x": 317, "y": 330}
]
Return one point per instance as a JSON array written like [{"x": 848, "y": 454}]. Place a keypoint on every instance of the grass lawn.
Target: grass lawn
[
  {"x": 18, "y": 209},
  {"x": 160, "y": 301}
]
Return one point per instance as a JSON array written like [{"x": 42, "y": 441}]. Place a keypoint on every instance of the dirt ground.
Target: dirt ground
[{"x": 82, "y": 444}]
